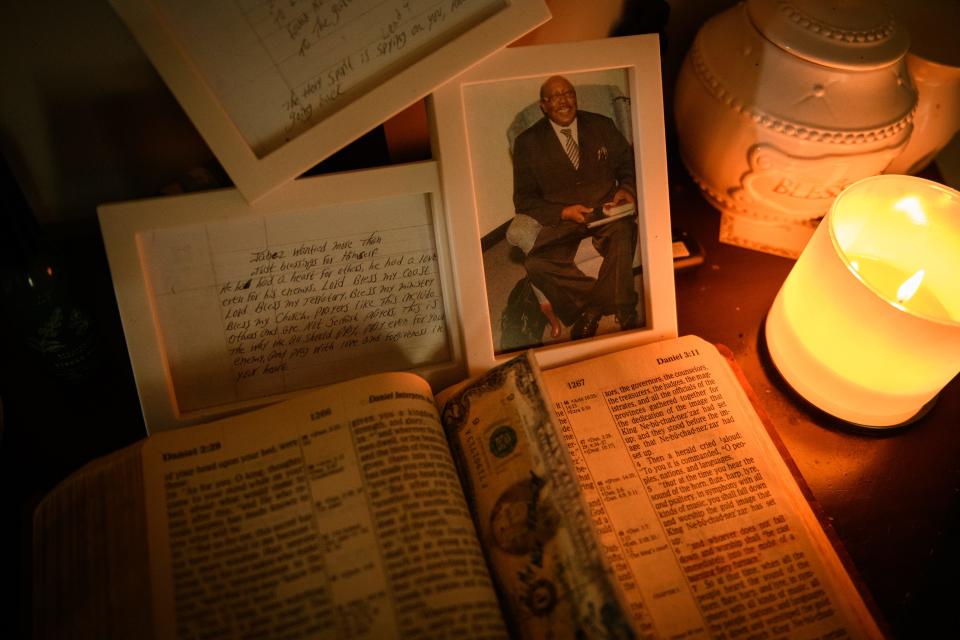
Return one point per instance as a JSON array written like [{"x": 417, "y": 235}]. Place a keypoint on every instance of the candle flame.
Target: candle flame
[
  {"x": 911, "y": 206},
  {"x": 909, "y": 287}
]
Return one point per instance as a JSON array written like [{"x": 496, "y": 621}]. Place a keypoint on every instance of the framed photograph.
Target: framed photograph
[
  {"x": 227, "y": 305},
  {"x": 554, "y": 169},
  {"x": 275, "y": 86}
]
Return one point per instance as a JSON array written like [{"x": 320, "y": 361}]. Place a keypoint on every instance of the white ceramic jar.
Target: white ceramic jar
[{"x": 780, "y": 104}]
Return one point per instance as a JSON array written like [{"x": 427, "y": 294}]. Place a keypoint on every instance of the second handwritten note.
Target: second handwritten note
[{"x": 280, "y": 66}]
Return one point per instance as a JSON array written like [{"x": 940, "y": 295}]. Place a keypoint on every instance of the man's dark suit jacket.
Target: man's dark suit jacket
[{"x": 545, "y": 181}]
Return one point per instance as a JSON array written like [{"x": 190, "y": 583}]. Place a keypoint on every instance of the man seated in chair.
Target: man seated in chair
[{"x": 567, "y": 167}]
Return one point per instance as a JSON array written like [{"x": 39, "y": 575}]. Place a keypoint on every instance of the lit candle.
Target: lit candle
[{"x": 867, "y": 324}]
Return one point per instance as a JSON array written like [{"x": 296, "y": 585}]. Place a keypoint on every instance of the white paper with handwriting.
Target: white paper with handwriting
[
  {"x": 280, "y": 66},
  {"x": 261, "y": 305}
]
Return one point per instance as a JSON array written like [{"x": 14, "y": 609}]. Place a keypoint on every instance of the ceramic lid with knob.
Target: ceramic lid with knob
[{"x": 849, "y": 34}]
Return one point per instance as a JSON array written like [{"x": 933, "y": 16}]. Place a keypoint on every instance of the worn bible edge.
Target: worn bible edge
[
  {"x": 91, "y": 576},
  {"x": 822, "y": 518}
]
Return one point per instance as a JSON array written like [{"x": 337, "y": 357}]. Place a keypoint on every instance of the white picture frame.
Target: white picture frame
[
  {"x": 172, "y": 291},
  {"x": 200, "y": 69},
  {"x": 481, "y": 99}
]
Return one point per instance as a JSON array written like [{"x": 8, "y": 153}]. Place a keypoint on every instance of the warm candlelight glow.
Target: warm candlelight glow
[{"x": 867, "y": 324}]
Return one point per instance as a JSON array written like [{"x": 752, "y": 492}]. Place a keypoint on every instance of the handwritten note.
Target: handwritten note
[
  {"x": 280, "y": 66},
  {"x": 265, "y": 304}
]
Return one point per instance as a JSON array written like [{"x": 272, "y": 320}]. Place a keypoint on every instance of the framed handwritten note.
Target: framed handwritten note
[
  {"x": 228, "y": 305},
  {"x": 275, "y": 86},
  {"x": 528, "y": 136}
]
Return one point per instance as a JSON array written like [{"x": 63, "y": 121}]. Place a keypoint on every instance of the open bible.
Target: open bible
[{"x": 637, "y": 494}]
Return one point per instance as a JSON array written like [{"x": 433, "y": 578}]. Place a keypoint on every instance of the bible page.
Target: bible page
[
  {"x": 706, "y": 528},
  {"x": 338, "y": 514}
]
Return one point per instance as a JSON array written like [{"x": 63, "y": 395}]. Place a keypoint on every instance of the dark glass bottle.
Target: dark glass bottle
[{"x": 38, "y": 315}]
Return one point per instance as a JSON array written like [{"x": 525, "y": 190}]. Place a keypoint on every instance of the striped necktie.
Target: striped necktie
[{"x": 572, "y": 148}]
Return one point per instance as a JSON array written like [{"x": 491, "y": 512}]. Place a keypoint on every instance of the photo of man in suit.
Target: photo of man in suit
[{"x": 568, "y": 168}]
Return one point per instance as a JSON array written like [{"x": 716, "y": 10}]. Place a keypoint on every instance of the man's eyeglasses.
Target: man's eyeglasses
[{"x": 569, "y": 94}]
